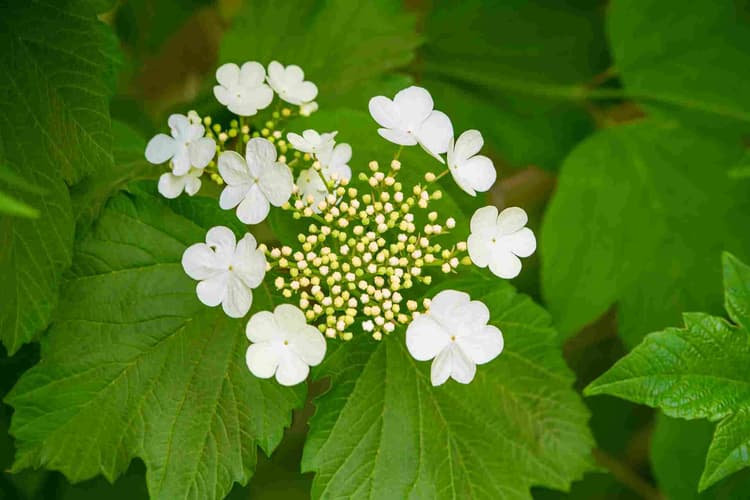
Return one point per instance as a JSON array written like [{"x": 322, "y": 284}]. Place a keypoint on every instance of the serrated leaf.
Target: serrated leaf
[
  {"x": 516, "y": 70},
  {"x": 340, "y": 44},
  {"x": 383, "y": 431},
  {"x": 135, "y": 366},
  {"x": 699, "y": 371},
  {"x": 652, "y": 207}
]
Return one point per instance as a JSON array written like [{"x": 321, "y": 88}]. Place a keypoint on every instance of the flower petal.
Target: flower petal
[
  {"x": 292, "y": 369},
  {"x": 262, "y": 327},
  {"x": 397, "y": 137},
  {"x": 289, "y": 318},
  {"x": 479, "y": 249},
  {"x": 484, "y": 221},
  {"x": 192, "y": 184},
  {"x": 254, "y": 208},
  {"x": 275, "y": 73},
  {"x": 276, "y": 182},
  {"x": 238, "y": 298},
  {"x": 522, "y": 243},
  {"x": 223, "y": 242},
  {"x": 467, "y": 145},
  {"x": 385, "y": 112},
  {"x": 477, "y": 172},
  {"x": 252, "y": 74},
  {"x": 304, "y": 92},
  {"x": 484, "y": 345},
  {"x": 511, "y": 220},
  {"x": 200, "y": 262},
  {"x": 260, "y": 150},
  {"x": 425, "y": 338},
  {"x": 232, "y": 195},
  {"x": 414, "y": 105},
  {"x": 442, "y": 366},
  {"x": 447, "y": 300},
  {"x": 262, "y": 360},
  {"x": 435, "y": 133},
  {"x": 249, "y": 263},
  {"x": 223, "y": 95},
  {"x": 233, "y": 168},
  {"x": 213, "y": 290},
  {"x": 462, "y": 368},
  {"x": 160, "y": 148},
  {"x": 298, "y": 142},
  {"x": 202, "y": 152},
  {"x": 309, "y": 344},
  {"x": 181, "y": 160},
  {"x": 178, "y": 124},
  {"x": 170, "y": 185},
  {"x": 504, "y": 264},
  {"x": 228, "y": 74}
]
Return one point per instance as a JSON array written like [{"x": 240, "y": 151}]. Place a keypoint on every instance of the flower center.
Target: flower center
[
  {"x": 453, "y": 338},
  {"x": 286, "y": 342},
  {"x": 231, "y": 267}
]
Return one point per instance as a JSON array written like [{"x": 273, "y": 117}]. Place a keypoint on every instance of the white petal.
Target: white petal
[
  {"x": 385, "y": 112},
  {"x": 467, "y": 318},
  {"x": 298, "y": 142},
  {"x": 254, "y": 208},
  {"x": 260, "y": 150},
  {"x": 522, "y": 243},
  {"x": 160, "y": 148},
  {"x": 425, "y": 338},
  {"x": 397, "y": 137},
  {"x": 233, "y": 168},
  {"x": 435, "y": 133},
  {"x": 479, "y": 249},
  {"x": 289, "y": 317},
  {"x": 484, "y": 221},
  {"x": 477, "y": 172},
  {"x": 232, "y": 195},
  {"x": 223, "y": 95},
  {"x": 178, "y": 125},
  {"x": 276, "y": 182},
  {"x": 252, "y": 74},
  {"x": 292, "y": 370},
  {"x": 213, "y": 290},
  {"x": 193, "y": 132},
  {"x": 275, "y": 73},
  {"x": 414, "y": 105},
  {"x": 238, "y": 298},
  {"x": 170, "y": 185},
  {"x": 181, "y": 160},
  {"x": 448, "y": 300},
  {"x": 202, "y": 152},
  {"x": 309, "y": 344},
  {"x": 442, "y": 366},
  {"x": 511, "y": 220},
  {"x": 249, "y": 263},
  {"x": 200, "y": 262},
  {"x": 467, "y": 145},
  {"x": 192, "y": 185},
  {"x": 484, "y": 345},
  {"x": 505, "y": 265},
  {"x": 262, "y": 327},
  {"x": 342, "y": 154},
  {"x": 262, "y": 360},
  {"x": 228, "y": 74},
  {"x": 223, "y": 242},
  {"x": 293, "y": 74},
  {"x": 463, "y": 369},
  {"x": 303, "y": 92}
]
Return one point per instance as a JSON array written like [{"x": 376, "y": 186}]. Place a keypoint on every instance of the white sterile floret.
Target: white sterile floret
[
  {"x": 455, "y": 333},
  {"x": 289, "y": 82},
  {"x": 172, "y": 186},
  {"x": 187, "y": 147},
  {"x": 283, "y": 345},
  {"x": 471, "y": 171},
  {"x": 312, "y": 142},
  {"x": 335, "y": 162},
  {"x": 243, "y": 90},
  {"x": 498, "y": 241},
  {"x": 409, "y": 119},
  {"x": 255, "y": 182},
  {"x": 227, "y": 270}
]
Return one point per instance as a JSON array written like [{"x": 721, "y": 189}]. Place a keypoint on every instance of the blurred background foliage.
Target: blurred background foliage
[{"x": 623, "y": 123}]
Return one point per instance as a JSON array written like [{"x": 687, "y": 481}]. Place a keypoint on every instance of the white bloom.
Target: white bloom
[
  {"x": 290, "y": 85},
  {"x": 308, "y": 108},
  {"x": 409, "y": 119},
  {"x": 498, "y": 240},
  {"x": 171, "y": 185},
  {"x": 243, "y": 90},
  {"x": 227, "y": 270},
  {"x": 335, "y": 162},
  {"x": 187, "y": 147},
  {"x": 283, "y": 345},
  {"x": 311, "y": 186},
  {"x": 254, "y": 182},
  {"x": 455, "y": 333},
  {"x": 471, "y": 171},
  {"x": 312, "y": 142}
]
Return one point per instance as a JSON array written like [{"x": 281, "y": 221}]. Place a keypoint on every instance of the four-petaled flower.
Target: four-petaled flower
[
  {"x": 312, "y": 142},
  {"x": 409, "y": 119},
  {"x": 172, "y": 185},
  {"x": 290, "y": 83},
  {"x": 283, "y": 345},
  {"x": 187, "y": 147},
  {"x": 456, "y": 335},
  {"x": 254, "y": 182},
  {"x": 471, "y": 171},
  {"x": 498, "y": 241},
  {"x": 243, "y": 90},
  {"x": 227, "y": 270}
]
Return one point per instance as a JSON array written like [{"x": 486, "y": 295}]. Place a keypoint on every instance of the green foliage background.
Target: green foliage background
[{"x": 621, "y": 126}]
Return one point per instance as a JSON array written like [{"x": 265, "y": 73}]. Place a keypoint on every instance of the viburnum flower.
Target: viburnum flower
[
  {"x": 227, "y": 270},
  {"x": 456, "y": 335},
  {"x": 187, "y": 147},
  {"x": 311, "y": 187},
  {"x": 283, "y": 345},
  {"x": 171, "y": 185},
  {"x": 255, "y": 182},
  {"x": 471, "y": 171},
  {"x": 498, "y": 241},
  {"x": 289, "y": 82},
  {"x": 243, "y": 90},
  {"x": 335, "y": 162},
  {"x": 409, "y": 119},
  {"x": 312, "y": 142}
]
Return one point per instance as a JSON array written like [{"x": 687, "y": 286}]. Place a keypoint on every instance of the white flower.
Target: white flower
[
  {"x": 498, "y": 240},
  {"x": 409, "y": 119},
  {"x": 311, "y": 186},
  {"x": 312, "y": 142},
  {"x": 308, "y": 108},
  {"x": 471, "y": 171},
  {"x": 171, "y": 185},
  {"x": 243, "y": 90},
  {"x": 254, "y": 182},
  {"x": 455, "y": 333},
  {"x": 187, "y": 147},
  {"x": 290, "y": 85},
  {"x": 227, "y": 270},
  {"x": 283, "y": 345},
  {"x": 335, "y": 162}
]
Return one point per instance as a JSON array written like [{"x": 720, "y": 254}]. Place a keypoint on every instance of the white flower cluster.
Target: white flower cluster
[{"x": 354, "y": 268}]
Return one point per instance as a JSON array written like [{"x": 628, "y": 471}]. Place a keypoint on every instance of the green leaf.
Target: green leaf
[
  {"x": 651, "y": 207},
  {"x": 59, "y": 64},
  {"x": 515, "y": 70},
  {"x": 12, "y": 206},
  {"x": 691, "y": 63},
  {"x": 340, "y": 44},
  {"x": 383, "y": 431},
  {"x": 737, "y": 290},
  {"x": 135, "y": 366},
  {"x": 696, "y": 372}
]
